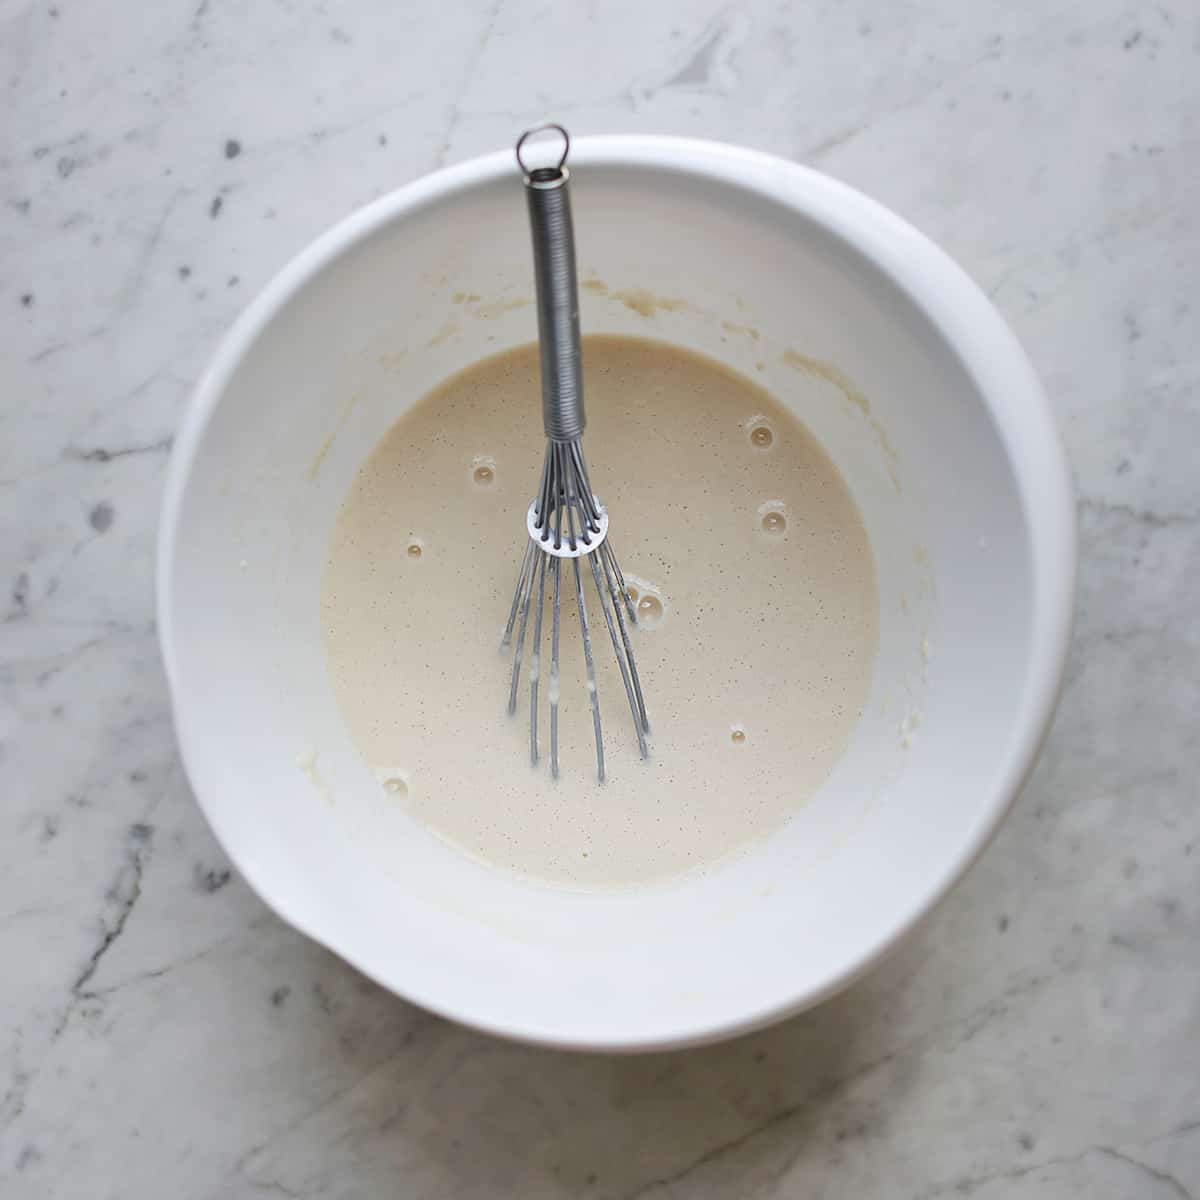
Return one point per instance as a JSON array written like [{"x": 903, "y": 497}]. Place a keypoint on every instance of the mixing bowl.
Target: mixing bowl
[{"x": 881, "y": 345}]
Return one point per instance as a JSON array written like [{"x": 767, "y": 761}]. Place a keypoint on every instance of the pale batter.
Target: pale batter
[{"x": 751, "y": 567}]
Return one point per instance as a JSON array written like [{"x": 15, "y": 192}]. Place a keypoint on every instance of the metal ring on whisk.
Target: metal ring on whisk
[{"x": 532, "y": 173}]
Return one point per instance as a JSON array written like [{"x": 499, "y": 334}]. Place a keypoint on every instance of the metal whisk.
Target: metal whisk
[{"x": 566, "y": 521}]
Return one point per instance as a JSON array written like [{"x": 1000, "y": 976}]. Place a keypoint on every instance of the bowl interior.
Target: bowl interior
[{"x": 880, "y": 346}]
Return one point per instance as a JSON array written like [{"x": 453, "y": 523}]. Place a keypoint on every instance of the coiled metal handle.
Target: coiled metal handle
[{"x": 557, "y": 292}]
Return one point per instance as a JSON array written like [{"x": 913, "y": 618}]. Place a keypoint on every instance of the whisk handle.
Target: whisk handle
[{"x": 557, "y": 294}]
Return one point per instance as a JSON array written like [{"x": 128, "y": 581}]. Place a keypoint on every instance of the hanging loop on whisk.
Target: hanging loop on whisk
[{"x": 550, "y": 173}]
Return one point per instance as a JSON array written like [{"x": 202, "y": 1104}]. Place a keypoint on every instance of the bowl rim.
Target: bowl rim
[{"x": 921, "y": 271}]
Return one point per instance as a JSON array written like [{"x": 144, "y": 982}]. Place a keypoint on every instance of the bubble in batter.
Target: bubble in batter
[
  {"x": 646, "y": 598},
  {"x": 737, "y": 735},
  {"x": 394, "y": 781},
  {"x": 762, "y": 436},
  {"x": 483, "y": 471},
  {"x": 774, "y": 522},
  {"x": 414, "y": 549},
  {"x": 649, "y": 610}
]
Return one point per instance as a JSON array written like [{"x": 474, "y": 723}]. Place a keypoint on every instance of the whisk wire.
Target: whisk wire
[
  {"x": 633, "y": 685},
  {"x": 611, "y": 558},
  {"x": 556, "y": 568},
  {"x": 589, "y": 662},
  {"x": 535, "y": 661},
  {"x": 512, "y": 614},
  {"x": 589, "y": 507},
  {"x": 526, "y": 587},
  {"x": 617, "y": 649}
]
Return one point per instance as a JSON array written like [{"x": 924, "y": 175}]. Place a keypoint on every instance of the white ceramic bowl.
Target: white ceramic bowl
[{"x": 886, "y": 350}]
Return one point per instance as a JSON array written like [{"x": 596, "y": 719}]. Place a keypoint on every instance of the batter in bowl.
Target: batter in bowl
[{"x": 754, "y": 585}]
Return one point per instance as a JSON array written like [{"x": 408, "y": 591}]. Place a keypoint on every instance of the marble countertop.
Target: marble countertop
[{"x": 161, "y": 1034}]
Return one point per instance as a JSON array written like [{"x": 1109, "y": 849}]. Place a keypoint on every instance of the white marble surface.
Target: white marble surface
[{"x": 161, "y": 1034}]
